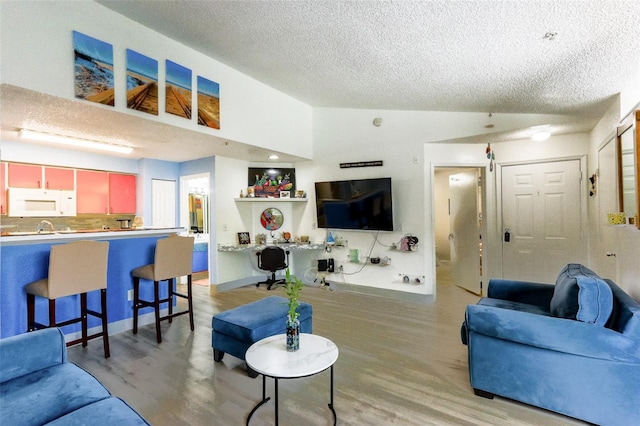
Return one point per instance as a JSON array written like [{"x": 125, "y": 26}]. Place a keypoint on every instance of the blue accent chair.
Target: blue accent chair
[
  {"x": 572, "y": 348},
  {"x": 39, "y": 387}
]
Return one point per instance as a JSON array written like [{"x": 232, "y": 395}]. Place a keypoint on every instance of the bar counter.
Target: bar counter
[{"x": 24, "y": 257}]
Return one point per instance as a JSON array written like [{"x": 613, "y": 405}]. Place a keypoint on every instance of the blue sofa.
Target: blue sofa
[
  {"x": 39, "y": 387},
  {"x": 572, "y": 347}
]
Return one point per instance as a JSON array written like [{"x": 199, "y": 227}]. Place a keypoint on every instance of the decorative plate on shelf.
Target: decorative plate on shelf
[{"x": 271, "y": 219}]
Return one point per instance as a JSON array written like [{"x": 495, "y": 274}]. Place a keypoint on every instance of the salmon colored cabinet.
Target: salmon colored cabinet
[
  {"x": 30, "y": 176},
  {"x": 25, "y": 176},
  {"x": 122, "y": 193},
  {"x": 103, "y": 192},
  {"x": 3, "y": 189},
  {"x": 92, "y": 189},
  {"x": 58, "y": 178}
]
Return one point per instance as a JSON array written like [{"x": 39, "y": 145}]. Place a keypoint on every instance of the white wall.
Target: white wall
[
  {"x": 404, "y": 142},
  {"x": 37, "y": 54},
  {"x": 625, "y": 241}
]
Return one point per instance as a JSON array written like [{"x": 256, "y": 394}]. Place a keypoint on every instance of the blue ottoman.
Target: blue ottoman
[{"x": 233, "y": 331}]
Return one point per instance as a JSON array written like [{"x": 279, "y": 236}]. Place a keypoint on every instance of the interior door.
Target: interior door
[
  {"x": 541, "y": 214},
  {"x": 465, "y": 230},
  {"x": 607, "y": 198},
  {"x": 163, "y": 201}
]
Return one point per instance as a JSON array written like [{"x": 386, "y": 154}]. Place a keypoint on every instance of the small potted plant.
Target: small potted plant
[{"x": 293, "y": 287}]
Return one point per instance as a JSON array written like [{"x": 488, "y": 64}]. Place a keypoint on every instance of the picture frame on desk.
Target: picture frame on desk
[
  {"x": 244, "y": 238},
  {"x": 285, "y": 194}
]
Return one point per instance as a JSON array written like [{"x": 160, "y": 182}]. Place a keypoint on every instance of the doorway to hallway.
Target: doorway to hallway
[
  {"x": 195, "y": 218},
  {"x": 458, "y": 195}
]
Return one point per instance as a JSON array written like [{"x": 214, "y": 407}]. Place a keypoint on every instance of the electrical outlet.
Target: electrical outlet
[
  {"x": 130, "y": 294},
  {"x": 410, "y": 279}
]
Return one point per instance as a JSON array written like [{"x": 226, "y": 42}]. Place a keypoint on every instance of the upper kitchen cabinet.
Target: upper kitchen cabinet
[
  {"x": 58, "y": 178},
  {"x": 31, "y": 176},
  {"x": 25, "y": 176},
  {"x": 122, "y": 193},
  {"x": 92, "y": 191},
  {"x": 3, "y": 190}
]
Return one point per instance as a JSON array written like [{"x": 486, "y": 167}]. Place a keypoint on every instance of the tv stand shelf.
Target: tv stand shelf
[{"x": 270, "y": 200}]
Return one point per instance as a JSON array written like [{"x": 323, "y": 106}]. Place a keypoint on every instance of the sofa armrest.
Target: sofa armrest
[
  {"x": 551, "y": 333},
  {"x": 521, "y": 291},
  {"x": 29, "y": 352}
]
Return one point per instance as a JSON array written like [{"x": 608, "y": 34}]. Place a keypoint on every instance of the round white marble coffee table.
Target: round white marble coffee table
[{"x": 270, "y": 358}]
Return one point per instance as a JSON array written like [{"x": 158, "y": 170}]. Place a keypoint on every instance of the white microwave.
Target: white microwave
[{"x": 27, "y": 202}]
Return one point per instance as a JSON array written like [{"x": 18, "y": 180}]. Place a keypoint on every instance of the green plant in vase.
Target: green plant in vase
[{"x": 293, "y": 287}]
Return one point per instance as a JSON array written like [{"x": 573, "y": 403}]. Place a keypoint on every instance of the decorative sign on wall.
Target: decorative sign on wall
[
  {"x": 361, "y": 164},
  {"x": 208, "y": 103},
  {"x": 178, "y": 90},
  {"x": 142, "y": 83},
  {"x": 270, "y": 182},
  {"x": 93, "y": 65}
]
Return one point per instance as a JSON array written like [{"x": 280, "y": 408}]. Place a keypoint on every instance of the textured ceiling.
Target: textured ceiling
[
  {"x": 464, "y": 55},
  {"x": 441, "y": 55}
]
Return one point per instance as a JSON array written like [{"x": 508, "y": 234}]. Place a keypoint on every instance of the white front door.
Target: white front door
[
  {"x": 464, "y": 237},
  {"x": 541, "y": 219}
]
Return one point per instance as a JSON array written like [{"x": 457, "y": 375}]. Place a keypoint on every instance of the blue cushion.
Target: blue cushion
[
  {"x": 582, "y": 295},
  {"x": 514, "y": 306},
  {"x": 47, "y": 394},
  {"x": 259, "y": 319}
]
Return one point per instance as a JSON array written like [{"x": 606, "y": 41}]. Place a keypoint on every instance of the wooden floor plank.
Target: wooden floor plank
[{"x": 400, "y": 363}]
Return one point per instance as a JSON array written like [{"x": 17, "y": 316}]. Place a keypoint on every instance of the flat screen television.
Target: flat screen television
[{"x": 357, "y": 204}]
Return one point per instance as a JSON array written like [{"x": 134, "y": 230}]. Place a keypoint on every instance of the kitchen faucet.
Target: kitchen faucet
[{"x": 42, "y": 225}]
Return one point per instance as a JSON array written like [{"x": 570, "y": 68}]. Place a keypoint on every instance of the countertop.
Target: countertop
[{"x": 17, "y": 237}]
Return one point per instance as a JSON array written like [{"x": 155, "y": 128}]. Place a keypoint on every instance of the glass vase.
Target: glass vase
[{"x": 293, "y": 334}]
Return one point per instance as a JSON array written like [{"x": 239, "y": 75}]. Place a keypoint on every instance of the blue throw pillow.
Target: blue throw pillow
[{"x": 582, "y": 295}]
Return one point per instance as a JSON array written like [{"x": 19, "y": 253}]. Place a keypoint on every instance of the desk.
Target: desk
[
  {"x": 270, "y": 358},
  {"x": 238, "y": 264},
  {"x": 259, "y": 247}
]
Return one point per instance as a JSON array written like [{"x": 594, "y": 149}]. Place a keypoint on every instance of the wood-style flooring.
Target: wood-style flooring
[{"x": 400, "y": 363}]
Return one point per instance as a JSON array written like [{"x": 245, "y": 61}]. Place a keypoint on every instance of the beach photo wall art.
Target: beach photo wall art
[
  {"x": 142, "y": 83},
  {"x": 178, "y": 90},
  {"x": 208, "y": 103},
  {"x": 93, "y": 65},
  {"x": 94, "y": 81}
]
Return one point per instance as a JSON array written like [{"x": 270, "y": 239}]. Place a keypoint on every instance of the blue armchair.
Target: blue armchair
[
  {"x": 572, "y": 348},
  {"x": 38, "y": 386}
]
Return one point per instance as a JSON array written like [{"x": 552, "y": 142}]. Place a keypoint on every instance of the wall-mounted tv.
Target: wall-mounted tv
[{"x": 359, "y": 204}]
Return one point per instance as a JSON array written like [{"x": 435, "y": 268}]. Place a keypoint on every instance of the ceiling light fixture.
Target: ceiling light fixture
[
  {"x": 273, "y": 157},
  {"x": 490, "y": 124},
  {"x": 540, "y": 136},
  {"x": 70, "y": 141}
]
